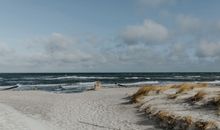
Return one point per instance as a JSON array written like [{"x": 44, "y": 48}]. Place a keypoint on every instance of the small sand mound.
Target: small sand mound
[{"x": 191, "y": 109}]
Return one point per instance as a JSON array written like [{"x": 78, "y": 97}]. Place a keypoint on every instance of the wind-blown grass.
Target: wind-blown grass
[
  {"x": 185, "y": 87},
  {"x": 145, "y": 90},
  {"x": 205, "y": 125},
  {"x": 197, "y": 97},
  {"x": 215, "y": 102},
  {"x": 176, "y": 118},
  {"x": 170, "y": 121}
]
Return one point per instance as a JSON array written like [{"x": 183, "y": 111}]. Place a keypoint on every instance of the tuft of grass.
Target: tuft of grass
[
  {"x": 189, "y": 86},
  {"x": 215, "y": 102},
  {"x": 161, "y": 89},
  {"x": 184, "y": 123},
  {"x": 172, "y": 96},
  {"x": 197, "y": 97},
  {"x": 143, "y": 91},
  {"x": 188, "y": 120},
  {"x": 162, "y": 114},
  {"x": 171, "y": 121},
  {"x": 206, "y": 125},
  {"x": 185, "y": 87}
]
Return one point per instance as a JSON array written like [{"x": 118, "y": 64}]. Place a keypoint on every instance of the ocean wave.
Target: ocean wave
[
  {"x": 39, "y": 87},
  {"x": 78, "y": 85},
  {"x": 53, "y": 86},
  {"x": 213, "y": 82},
  {"x": 132, "y": 77},
  {"x": 177, "y": 76},
  {"x": 194, "y": 76},
  {"x": 142, "y": 83},
  {"x": 79, "y": 77},
  {"x": 137, "y": 78}
]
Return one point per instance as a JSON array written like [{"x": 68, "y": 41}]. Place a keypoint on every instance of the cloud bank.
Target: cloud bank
[
  {"x": 180, "y": 42},
  {"x": 149, "y": 32}
]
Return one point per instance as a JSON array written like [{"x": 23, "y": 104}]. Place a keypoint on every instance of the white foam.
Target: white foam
[
  {"x": 144, "y": 82},
  {"x": 213, "y": 82},
  {"x": 132, "y": 77},
  {"x": 195, "y": 76},
  {"x": 79, "y": 85},
  {"x": 80, "y": 77}
]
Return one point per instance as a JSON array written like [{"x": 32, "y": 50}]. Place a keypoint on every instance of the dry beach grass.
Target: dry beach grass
[{"x": 191, "y": 109}]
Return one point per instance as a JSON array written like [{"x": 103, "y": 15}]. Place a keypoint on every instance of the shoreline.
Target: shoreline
[{"x": 110, "y": 108}]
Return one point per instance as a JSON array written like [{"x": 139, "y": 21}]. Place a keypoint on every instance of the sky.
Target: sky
[{"x": 109, "y": 36}]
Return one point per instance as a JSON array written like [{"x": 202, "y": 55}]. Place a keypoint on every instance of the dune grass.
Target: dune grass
[
  {"x": 197, "y": 97},
  {"x": 185, "y": 87},
  {"x": 170, "y": 121},
  {"x": 172, "y": 96},
  {"x": 135, "y": 98},
  {"x": 215, "y": 102},
  {"x": 181, "y": 88},
  {"x": 190, "y": 86},
  {"x": 205, "y": 125},
  {"x": 166, "y": 119},
  {"x": 145, "y": 90}
]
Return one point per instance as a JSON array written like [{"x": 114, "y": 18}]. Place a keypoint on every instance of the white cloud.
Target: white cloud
[
  {"x": 208, "y": 49},
  {"x": 178, "y": 52},
  {"x": 189, "y": 23},
  {"x": 59, "y": 49},
  {"x": 5, "y": 50},
  {"x": 149, "y": 32}
]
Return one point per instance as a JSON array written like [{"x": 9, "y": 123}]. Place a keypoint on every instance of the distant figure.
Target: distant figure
[{"x": 97, "y": 85}]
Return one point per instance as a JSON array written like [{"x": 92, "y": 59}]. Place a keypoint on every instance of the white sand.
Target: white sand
[
  {"x": 93, "y": 110},
  {"x": 10, "y": 119}
]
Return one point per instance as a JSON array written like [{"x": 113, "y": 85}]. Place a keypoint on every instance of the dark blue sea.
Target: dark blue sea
[{"x": 77, "y": 82}]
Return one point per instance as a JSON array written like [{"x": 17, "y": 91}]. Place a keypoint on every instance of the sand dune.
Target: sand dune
[{"x": 195, "y": 107}]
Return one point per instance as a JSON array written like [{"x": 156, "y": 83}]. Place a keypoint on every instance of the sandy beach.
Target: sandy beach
[
  {"x": 106, "y": 109},
  {"x": 188, "y": 106}
]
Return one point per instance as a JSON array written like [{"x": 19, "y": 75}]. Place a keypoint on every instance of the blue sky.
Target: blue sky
[{"x": 109, "y": 35}]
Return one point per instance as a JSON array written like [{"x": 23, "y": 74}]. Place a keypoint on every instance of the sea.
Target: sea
[{"x": 78, "y": 82}]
